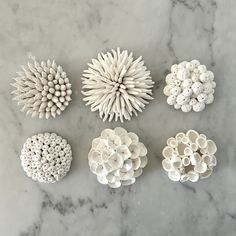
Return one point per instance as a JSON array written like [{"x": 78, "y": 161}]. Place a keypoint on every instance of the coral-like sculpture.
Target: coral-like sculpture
[
  {"x": 117, "y": 85},
  {"x": 46, "y": 157},
  {"x": 189, "y": 156},
  {"x": 43, "y": 89},
  {"x": 117, "y": 157},
  {"x": 190, "y": 86}
]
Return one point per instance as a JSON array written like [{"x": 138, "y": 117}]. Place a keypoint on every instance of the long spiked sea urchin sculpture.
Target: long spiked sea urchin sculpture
[
  {"x": 117, "y": 85},
  {"x": 43, "y": 89}
]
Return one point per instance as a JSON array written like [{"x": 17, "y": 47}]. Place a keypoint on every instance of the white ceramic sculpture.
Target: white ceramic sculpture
[
  {"x": 189, "y": 156},
  {"x": 43, "y": 89},
  {"x": 190, "y": 86},
  {"x": 46, "y": 157},
  {"x": 117, "y": 85},
  {"x": 117, "y": 157}
]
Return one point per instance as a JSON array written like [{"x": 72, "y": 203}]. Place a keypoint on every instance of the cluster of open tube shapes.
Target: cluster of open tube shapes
[{"x": 189, "y": 156}]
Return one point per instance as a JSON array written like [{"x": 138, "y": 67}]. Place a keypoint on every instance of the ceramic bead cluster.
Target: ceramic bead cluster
[
  {"x": 43, "y": 89},
  {"x": 46, "y": 157},
  {"x": 189, "y": 156},
  {"x": 117, "y": 85},
  {"x": 190, "y": 86},
  {"x": 117, "y": 157}
]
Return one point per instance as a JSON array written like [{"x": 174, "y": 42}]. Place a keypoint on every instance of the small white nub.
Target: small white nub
[
  {"x": 189, "y": 86},
  {"x": 117, "y": 157},
  {"x": 189, "y": 156},
  {"x": 37, "y": 86}
]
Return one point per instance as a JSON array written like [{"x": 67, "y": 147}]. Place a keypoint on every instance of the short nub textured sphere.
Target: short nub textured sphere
[
  {"x": 189, "y": 86},
  {"x": 43, "y": 89},
  {"x": 46, "y": 157},
  {"x": 117, "y": 157},
  {"x": 117, "y": 85}
]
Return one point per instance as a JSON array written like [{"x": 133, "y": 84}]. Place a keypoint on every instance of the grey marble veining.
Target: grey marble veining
[{"x": 163, "y": 32}]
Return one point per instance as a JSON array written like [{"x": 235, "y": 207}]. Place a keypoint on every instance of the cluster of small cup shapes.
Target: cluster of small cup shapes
[
  {"x": 43, "y": 89},
  {"x": 117, "y": 157},
  {"x": 46, "y": 157},
  {"x": 190, "y": 86},
  {"x": 189, "y": 156}
]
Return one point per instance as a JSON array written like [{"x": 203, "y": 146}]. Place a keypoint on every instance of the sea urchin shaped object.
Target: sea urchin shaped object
[
  {"x": 43, "y": 89},
  {"x": 46, "y": 157},
  {"x": 117, "y": 85},
  {"x": 117, "y": 157},
  {"x": 189, "y": 156},
  {"x": 189, "y": 86}
]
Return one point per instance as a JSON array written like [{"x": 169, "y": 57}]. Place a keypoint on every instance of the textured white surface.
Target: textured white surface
[
  {"x": 189, "y": 156},
  {"x": 164, "y": 32},
  {"x": 190, "y": 86},
  {"x": 117, "y": 157},
  {"x": 43, "y": 89},
  {"x": 46, "y": 157},
  {"x": 117, "y": 85}
]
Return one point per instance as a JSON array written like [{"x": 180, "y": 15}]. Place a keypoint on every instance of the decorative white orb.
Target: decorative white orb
[
  {"x": 43, "y": 89},
  {"x": 117, "y": 85},
  {"x": 189, "y": 156},
  {"x": 46, "y": 157},
  {"x": 117, "y": 157},
  {"x": 189, "y": 86}
]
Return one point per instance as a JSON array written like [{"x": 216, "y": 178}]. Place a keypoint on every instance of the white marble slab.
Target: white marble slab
[{"x": 163, "y": 32}]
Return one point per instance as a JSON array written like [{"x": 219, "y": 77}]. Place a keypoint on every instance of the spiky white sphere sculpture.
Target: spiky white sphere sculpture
[
  {"x": 117, "y": 157},
  {"x": 46, "y": 157},
  {"x": 190, "y": 86},
  {"x": 43, "y": 89},
  {"x": 117, "y": 85},
  {"x": 189, "y": 156}
]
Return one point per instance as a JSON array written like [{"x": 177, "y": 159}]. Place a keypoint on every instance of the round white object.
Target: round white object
[
  {"x": 46, "y": 157},
  {"x": 117, "y": 157},
  {"x": 117, "y": 85},
  {"x": 189, "y": 86},
  {"x": 37, "y": 89},
  {"x": 189, "y": 156}
]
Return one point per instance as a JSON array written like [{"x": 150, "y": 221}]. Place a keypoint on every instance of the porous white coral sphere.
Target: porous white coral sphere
[
  {"x": 46, "y": 157},
  {"x": 43, "y": 89},
  {"x": 117, "y": 157},
  {"x": 189, "y": 156},
  {"x": 189, "y": 86},
  {"x": 117, "y": 85}
]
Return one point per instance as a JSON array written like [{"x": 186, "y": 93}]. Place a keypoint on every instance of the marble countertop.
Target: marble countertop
[{"x": 163, "y": 32}]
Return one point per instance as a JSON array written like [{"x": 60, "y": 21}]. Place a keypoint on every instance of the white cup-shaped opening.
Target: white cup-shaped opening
[
  {"x": 211, "y": 147},
  {"x": 193, "y": 176},
  {"x": 195, "y": 158},
  {"x": 179, "y": 136},
  {"x": 166, "y": 165},
  {"x": 207, "y": 159},
  {"x": 173, "y": 143},
  {"x": 180, "y": 148},
  {"x": 200, "y": 167},
  {"x": 194, "y": 147},
  {"x": 185, "y": 140},
  {"x": 213, "y": 161},
  {"x": 174, "y": 175},
  {"x": 167, "y": 152},
  {"x": 188, "y": 151},
  {"x": 192, "y": 135},
  {"x": 186, "y": 161},
  {"x": 206, "y": 174},
  {"x": 201, "y": 142},
  {"x": 169, "y": 140},
  {"x": 176, "y": 162}
]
